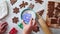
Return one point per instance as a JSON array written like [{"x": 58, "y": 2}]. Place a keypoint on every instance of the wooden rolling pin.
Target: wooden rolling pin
[{"x": 43, "y": 25}]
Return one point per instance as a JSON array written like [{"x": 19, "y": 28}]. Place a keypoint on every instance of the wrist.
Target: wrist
[{"x": 26, "y": 32}]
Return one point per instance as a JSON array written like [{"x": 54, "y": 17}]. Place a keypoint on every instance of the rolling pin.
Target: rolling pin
[{"x": 43, "y": 25}]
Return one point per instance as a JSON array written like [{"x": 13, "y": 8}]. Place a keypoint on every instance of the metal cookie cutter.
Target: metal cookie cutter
[{"x": 27, "y": 14}]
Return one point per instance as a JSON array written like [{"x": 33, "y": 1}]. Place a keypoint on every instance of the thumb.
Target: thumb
[{"x": 23, "y": 23}]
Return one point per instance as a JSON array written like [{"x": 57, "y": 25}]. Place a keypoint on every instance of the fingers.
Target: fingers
[
  {"x": 31, "y": 21},
  {"x": 4, "y": 29},
  {"x": 34, "y": 23},
  {"x": 35, "y": 26},
  {"x": 4, "y": 25},
  {"x": 23, "y": 23}
]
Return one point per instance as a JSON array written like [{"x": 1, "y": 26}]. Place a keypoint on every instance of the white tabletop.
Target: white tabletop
[{"x": 36, "y": 8}]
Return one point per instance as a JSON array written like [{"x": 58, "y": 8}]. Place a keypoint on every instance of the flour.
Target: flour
[{"x": 3, "y": 9}]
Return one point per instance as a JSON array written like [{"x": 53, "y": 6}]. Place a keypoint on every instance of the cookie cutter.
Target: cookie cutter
[{"x": 27, "y": 14}]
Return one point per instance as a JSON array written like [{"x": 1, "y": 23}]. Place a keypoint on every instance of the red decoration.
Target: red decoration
[{"x": 13, "y": 31}]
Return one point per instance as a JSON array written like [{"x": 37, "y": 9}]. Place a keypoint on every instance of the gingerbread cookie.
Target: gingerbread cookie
[
  {"x": 13, "y": 1},
  {"x": 31, "y": 6},
  {"x": 53, "y": 14},
  {"x": 15, "y": 20},
  {"x": 51, "y": 9},
  {"x": 41, "y": 12},
  {"x": 39, "y": 1},
  {"x": 58, "y": 5},
  {"x": 23, "y": 4},
  {"x": 16, "y": 10},
  {"x": 36, "y": 29}
]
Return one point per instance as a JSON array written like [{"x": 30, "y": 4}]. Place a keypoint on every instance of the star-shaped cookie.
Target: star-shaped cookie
[
  {"x": 15, "y": 20},
  {"x": 16, "y": 10}
]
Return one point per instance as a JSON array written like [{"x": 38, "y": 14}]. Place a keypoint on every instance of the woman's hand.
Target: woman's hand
[
  {"x": 28, "y": 28},
  {"x": 3, "y": 27}
]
